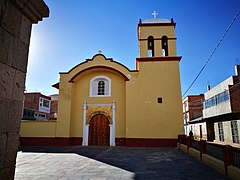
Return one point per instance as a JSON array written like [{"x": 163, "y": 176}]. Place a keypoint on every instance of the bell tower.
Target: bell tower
[
  {"x": 155, "y": 89},
  {"x": 156, "y": 37}
]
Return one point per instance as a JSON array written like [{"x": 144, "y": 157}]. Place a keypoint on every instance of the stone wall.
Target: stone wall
[{"x": 16, "y": 19}]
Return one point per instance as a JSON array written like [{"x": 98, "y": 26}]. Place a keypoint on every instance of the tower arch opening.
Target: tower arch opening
[
  {"x": 164, "y": 46},
  {"x": 150, "y": 46}
]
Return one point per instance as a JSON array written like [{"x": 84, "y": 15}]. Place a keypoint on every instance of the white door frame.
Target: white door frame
[{"x": 86, "y": 126}]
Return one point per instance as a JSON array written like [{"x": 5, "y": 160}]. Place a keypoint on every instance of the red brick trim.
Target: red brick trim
[
  {"x": 145, "y": 142},
  {"x": 94, "y": 67},
  {"x": 87, "y": 60},
  {"x": 164, "y": 58},
  {"x": 47, "y": 141},
  {"x": 56, "y": 85},
  {"x": 156, "y": 24},
  {"x": 158, "y": 39},
  {"x": 120, "y": 141},
  {"x": 76, "y": 141},
  {"x": 36, "y": 141},
  {"x": 129, "y": 142}
]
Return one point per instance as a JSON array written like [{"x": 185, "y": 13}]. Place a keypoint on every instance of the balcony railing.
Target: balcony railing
[
  {"x": 195, "y": 144},
  {"x": 215, "y": 151},
  {"x": 236, "y": 157}
]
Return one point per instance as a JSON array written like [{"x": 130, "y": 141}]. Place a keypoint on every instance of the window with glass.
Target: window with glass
[
  {"x": 235, "y": 135},
  {"x": 221, "y": 132},
  {"x": 210, "y": 102},
  {"x": 217, "y": 99},
  {"x": 46, "y": 103},
  {"x": 222, "y": 97},
  {"x": 100, "y": 86}
]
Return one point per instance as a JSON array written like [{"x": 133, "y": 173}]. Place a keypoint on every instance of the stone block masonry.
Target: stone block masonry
[{"x": 16, "y": 19}]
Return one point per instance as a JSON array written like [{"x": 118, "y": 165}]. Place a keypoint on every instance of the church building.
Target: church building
[{"x": 103, "y": 103}]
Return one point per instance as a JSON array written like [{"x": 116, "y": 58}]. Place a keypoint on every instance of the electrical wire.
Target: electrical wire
[{"x": 210, "y": 57}]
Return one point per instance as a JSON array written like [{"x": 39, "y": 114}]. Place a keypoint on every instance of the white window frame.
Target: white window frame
[
  {"x": 94, "y": 86},
  {"x": 234, "y": 129},
  {"x": 221, "y": 131},
  {"x": 43, "y": 108}
]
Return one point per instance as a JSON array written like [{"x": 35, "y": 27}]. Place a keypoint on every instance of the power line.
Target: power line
[{"x": 210, "y": 57}]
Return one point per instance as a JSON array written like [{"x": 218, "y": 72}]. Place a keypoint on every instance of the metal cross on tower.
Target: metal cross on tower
[{"x": 154, "y": 14}]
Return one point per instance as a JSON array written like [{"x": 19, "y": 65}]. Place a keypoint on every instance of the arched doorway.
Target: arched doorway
[{"x": 99, "y": 131}]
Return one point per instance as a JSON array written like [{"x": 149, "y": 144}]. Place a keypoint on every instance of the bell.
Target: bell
[{"x": 150, "y": 44}]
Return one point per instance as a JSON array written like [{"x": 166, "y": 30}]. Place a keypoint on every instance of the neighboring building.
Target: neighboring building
[
  {"x": 54, "y": 106},
  {"x": 102, "y": 102},
  {"x": 221, "y": 111},
  {"x": 36, "y": 106},
  {"x": 192, "y": 109}
]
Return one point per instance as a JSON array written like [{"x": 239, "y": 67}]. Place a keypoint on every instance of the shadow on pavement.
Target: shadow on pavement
[{"x": 146, "y": 163}]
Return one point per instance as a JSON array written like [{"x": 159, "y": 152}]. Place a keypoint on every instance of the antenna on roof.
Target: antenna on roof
[{"x": 208, "y": 85}]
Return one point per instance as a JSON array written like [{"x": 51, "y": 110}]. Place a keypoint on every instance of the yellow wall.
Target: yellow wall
[
  {"x": 64, "y": 108},
  {"x": 38, "y": 128},
  {"x": 73, "y": 94},
  {"x": 145, "y": 117},
  {"x": 81, "y": 90},
  {"x": 138, "y": 115}
]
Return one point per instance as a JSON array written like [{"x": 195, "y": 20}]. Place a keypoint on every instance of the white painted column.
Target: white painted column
[
  {"x": 112, "y": 136},
  {"x": 86, "y": 134},
  {"x": 84, "y": 138},
  {"x": 111, "y": 132}
]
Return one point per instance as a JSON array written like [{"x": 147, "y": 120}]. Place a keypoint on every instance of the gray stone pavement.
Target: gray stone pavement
[{"x": 107, "y": 163}]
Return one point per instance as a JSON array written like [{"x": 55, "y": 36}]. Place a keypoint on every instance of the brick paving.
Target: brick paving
[{"x": 107, "y": 163}]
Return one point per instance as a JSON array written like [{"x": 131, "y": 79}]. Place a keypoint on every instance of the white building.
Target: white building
[{"x": 221, "y": 113}]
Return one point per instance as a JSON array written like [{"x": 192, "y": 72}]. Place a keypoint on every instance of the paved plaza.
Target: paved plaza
[{"x": 107, "y": 163}]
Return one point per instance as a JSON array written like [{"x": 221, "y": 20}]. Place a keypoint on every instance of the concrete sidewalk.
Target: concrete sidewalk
[{"x": 107, "y": 163}]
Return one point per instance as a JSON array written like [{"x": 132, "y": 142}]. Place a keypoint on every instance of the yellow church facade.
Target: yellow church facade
[{"x": 102, "y": 102}]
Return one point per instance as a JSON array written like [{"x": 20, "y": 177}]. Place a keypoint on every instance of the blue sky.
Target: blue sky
[{"x": 76, "y": 30}]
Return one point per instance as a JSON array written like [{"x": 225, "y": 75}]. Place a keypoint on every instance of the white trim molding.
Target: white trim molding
[
  {"x": 112, "y": 133},
  {"x": 94, "y": 86},
  {"x": 86, "y": 126},
  {"x": 85, "y": 132}
]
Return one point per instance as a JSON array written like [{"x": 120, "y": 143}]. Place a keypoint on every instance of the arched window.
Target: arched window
[
  {"x": 164, "y": 46},
  {"x": 100, "y": 86},
  {"x": 150, "y": 46}
]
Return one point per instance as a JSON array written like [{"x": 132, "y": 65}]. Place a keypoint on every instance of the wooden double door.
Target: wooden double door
[{"x": 99, "y": 131}]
